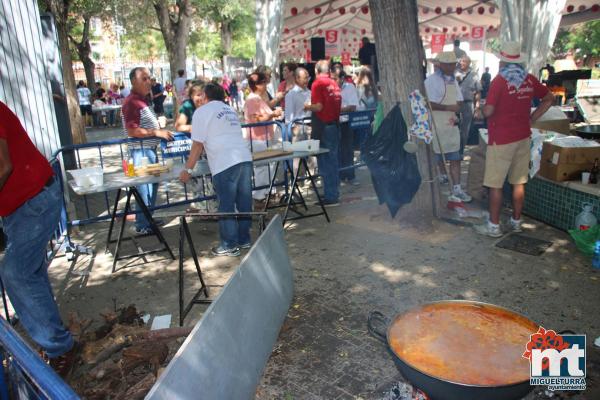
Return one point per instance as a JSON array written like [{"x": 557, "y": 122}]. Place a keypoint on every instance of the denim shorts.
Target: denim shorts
[{"x": 453, "y": 156}]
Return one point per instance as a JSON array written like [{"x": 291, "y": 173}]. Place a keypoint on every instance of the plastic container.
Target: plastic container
[
  {"x": 586, "y": 219},
  {"x": 302, "y": 145},
  {"x": 87, "y": 177},
  {"x": 596, "y": 257}
]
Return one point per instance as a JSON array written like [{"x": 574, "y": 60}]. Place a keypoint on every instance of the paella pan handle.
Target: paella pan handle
[
  {"x": 567, "y": 332},
  {"x": 375, "y": 321}
]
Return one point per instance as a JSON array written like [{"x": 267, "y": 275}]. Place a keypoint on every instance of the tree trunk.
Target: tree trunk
[
  {"x": 84, "y": 51},
  {"x": 175, "y": 22},
  {"x": 269, "y": 26},
  {"x": 399, "y": 51},
  {"x": 226, "y": 42},
  {"x": 59, "y": 8}
]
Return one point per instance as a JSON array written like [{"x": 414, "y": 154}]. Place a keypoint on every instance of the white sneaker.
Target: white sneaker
[
  {"x": 488, "y": 229},
  {"x": 516, "y": 225},
  {"x": 464, "y": 197},
  {"x": 443, "y": 179}
]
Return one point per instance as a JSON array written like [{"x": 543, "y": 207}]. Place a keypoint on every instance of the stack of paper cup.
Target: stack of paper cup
[{"x": 585, "y": 178}]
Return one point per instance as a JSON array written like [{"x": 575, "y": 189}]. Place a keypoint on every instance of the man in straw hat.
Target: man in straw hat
[
  {"x": 508, "y": 110},
  {"x": 445, "y": 97}
]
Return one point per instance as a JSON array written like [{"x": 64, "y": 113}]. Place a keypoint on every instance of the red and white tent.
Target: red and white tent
[{"x": 352, "y": 20}]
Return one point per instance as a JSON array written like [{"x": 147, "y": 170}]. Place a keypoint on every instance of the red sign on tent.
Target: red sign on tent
[
  {"x": 437, "y": 43},
  {"x": 346, "y": 58},
  {"x": 477, "y": 33},
  {"x": 308, "y": 58},
  {"x": 477, "y": 37},
  {"x": 332, "y": 43}
]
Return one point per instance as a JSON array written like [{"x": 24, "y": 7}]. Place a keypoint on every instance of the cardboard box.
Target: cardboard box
[
  {"x": 553, "y": 120},
  {"x": 557, "y": 125},
  {"x": 566, "y": 163}
]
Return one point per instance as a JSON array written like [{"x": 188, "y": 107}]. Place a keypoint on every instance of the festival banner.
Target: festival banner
[
  {"x": 437, "y": 42},
  {"x": 477, "y": 38},
  {"x": 332, "y": 43}
]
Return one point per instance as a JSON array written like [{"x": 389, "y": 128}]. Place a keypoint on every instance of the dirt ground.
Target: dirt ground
[{"x": 361, "y": 261}]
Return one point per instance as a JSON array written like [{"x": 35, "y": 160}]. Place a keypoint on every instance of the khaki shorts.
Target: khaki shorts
[{"x": 504, "y": 160}]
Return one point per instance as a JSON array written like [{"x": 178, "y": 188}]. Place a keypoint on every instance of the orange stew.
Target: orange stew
[{"x": 464, "y": 342}]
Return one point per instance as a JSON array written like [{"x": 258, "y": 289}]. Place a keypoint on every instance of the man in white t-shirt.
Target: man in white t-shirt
[{"x": 216, "y": 127}]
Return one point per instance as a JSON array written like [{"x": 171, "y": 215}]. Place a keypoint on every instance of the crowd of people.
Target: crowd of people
[
  {"x": 30, "y": 204},
  {"x": 458, "y": 96}
]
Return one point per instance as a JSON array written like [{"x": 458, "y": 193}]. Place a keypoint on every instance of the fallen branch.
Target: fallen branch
[{"x": 139, "y": 390}]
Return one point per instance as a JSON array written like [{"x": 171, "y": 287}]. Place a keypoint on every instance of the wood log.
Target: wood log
[
  {"x": 126, "y": 316},
  {"x": 120, "y": 336},
  {"x": 144, "y": 353},
  {"x": 168, "y": 333},
  {"x": 105, "y": 370},
  {"x": 139, "y": 390}
]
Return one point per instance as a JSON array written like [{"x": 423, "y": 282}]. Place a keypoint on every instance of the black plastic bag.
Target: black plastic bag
[{"x": 394, "y": 172}]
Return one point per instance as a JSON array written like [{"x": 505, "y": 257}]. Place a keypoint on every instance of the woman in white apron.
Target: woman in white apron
[{"x": 445, "y": 96}]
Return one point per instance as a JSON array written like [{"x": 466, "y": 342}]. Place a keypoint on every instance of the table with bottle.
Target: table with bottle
[{"x": 130, "y": 178}]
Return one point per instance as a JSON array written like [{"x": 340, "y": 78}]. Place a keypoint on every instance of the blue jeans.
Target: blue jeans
[
  {"x": 329, "y": 162},
  {"x": 147, "y": 192},
  {"x": 234, "y": 191},
  {"x": 25, "y": 270},
  {"x": 346, "y": 152}
]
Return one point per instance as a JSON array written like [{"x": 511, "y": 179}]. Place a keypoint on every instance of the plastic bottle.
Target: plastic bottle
[
  {"x": 585, "y": 220},
  {"x": 596, "y": 257}
]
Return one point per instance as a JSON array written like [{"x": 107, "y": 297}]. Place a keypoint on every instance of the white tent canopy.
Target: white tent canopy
[{"x": 352, "y": 18}]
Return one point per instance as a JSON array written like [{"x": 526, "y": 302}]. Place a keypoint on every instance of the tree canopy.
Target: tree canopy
[{"x": 582, "y": 40}]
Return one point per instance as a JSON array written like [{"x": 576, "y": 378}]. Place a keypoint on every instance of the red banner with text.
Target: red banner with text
[{"x": 437, "y": 42}]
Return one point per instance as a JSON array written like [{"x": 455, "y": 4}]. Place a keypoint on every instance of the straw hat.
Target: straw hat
[
  {"x": 446, "y": 57},
  {"x": 510, "y": 52}
]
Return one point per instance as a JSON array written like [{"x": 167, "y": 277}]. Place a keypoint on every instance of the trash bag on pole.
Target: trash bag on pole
[{"x": 394, "y": 172}]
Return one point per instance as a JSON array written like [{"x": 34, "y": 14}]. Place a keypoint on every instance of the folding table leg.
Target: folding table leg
[
  {"x": 112, "y": 220},
  {"x": 181, "y": 256},
  {"x": 295, "y": 183},
  {"x": 184, "y": 233},
  {"x": 146, "y": 212},
  {"x": 121, "y": 230},
  {"x": 314, "y": 187},
  {"x": 204, "y": 288},
  {"x": 271, "y": 186},
  {"x": 291, "y": 196}
]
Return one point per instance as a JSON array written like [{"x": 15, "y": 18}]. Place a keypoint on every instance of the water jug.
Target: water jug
[
  {"x": 585, "y": 220},
  {"x": 596, "y": 257}
]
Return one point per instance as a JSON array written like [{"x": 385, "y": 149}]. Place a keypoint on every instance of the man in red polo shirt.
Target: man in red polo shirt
[
  {"x": 326, "y": 103},
  {"x": 508, "y": 110},
  {"x": 30, "y": 204}
]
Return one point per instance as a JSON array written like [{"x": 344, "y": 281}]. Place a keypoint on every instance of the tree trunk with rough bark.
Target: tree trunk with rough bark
[
  {"x": 269, "y": 25},
  {"x": 399, "y": 55},
  {"x": 226, "y": 41},
  {"x": 175, "y": 22},
  {"x": 60, "y": 10},
  {"x": 84, "y": 51}
]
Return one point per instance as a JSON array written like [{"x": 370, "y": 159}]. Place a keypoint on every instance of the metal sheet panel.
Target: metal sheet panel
[
  {"x": 24, "y": 83},
  {"x": 225, "y": 355}
]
